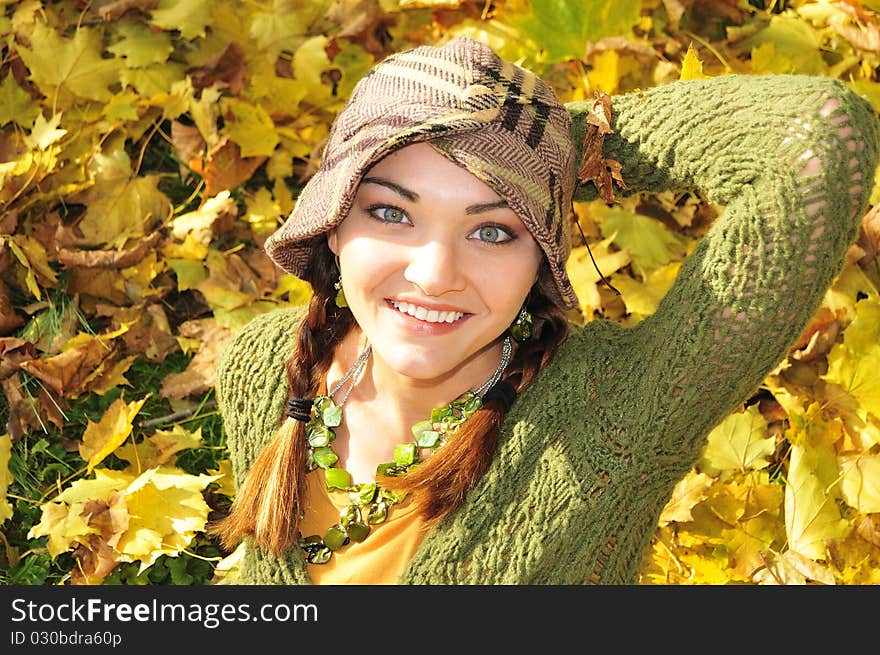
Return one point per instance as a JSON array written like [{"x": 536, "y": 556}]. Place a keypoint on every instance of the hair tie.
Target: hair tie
[
  {"x": 502, "y": 391},
  {"x": 299, "y": 409}
]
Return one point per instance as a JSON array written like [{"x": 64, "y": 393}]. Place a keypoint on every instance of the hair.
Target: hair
[{"x": 268, "y": 504}]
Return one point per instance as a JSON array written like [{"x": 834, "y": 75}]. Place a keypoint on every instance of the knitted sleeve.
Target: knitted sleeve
[
  {"x": 791, "y": 158},
  {"x": 251, "y": 384}
]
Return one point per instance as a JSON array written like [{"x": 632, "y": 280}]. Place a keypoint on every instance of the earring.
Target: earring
[
  {"x": 340, "y": 294},
  {"x": 521, "y": 328}
]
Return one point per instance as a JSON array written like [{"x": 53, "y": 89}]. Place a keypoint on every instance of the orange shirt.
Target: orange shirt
[{"x": 378, "y": 559}]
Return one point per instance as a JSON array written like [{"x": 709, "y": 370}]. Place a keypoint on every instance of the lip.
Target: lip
[{"x": 417, "y": 326}]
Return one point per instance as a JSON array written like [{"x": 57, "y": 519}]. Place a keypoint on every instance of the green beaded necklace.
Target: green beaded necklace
[{"x": 370, "y": 502}]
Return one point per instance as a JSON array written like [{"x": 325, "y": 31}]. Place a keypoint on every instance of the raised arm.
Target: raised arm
[{"x": 792, "y": 159}]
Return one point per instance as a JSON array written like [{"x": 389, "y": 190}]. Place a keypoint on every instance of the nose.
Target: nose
[{"x": 435, "y": 268}]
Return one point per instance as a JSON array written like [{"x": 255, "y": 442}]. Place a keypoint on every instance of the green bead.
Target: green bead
[
  {"x": 337, "y": 478},
  {"x": 521, "y": 329},
  {"x": 428, "y": 439},
  {"x": 364, "y": 493},
  {"x": 336, "y": 537},
  {"x": 319, "y": 556},
  {"x": 325, "y": 457},
  {"x": 378, "y": 513},
  {"x": 357, "y": 531},
  {"x": 319, "y": 435},
  {"x": 350, "y": 514},
  {"x": 405, "y": 453}
]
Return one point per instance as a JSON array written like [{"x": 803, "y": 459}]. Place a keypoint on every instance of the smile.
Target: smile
[{"x": 427, "y": 315}]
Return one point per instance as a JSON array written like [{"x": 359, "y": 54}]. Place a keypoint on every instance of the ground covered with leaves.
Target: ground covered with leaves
[{"x": 148, "y": 148}]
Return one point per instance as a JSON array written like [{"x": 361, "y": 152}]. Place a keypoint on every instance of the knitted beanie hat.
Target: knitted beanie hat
[{"x": 497, "y": 120}]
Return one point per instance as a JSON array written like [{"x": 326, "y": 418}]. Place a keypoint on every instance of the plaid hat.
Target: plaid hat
[{"x": 499, "y": 121}]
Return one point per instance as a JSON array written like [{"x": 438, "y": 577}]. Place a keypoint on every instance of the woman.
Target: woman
[{"x": 431, "y": 417}]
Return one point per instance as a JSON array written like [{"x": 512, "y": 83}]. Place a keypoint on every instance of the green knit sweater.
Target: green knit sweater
[{"x": 590, "y": 452}]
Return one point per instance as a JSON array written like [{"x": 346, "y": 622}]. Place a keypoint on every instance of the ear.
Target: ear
[{"x": 333, "y": 242}]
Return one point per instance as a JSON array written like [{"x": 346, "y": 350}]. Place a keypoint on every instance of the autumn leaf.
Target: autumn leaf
[
  {"x": 5, "y": 477},
  {"x": 692, "y": 65},
  {"x": 853, "y": 363},
  {"x": 860, "y": 483},
  {"x": 561, "y": 28},
  {"x": 76, "y": 65},
  {"x": 649, "y": 243},
  {"x": 738, "y": 443},
  {"x": 812, "y": 518},
  {"x": 167, "y": 510},
  {"x": 158, "y": 449},
  {"x": 190, "y": 17},
  {"x": 102, "y": 438}
]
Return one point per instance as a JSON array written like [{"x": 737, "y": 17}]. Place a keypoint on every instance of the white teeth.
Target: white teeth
[{"x": 429, "y": 316}]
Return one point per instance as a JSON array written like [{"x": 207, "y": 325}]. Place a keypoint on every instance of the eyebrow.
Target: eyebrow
[{"x": 412, "y": 196}]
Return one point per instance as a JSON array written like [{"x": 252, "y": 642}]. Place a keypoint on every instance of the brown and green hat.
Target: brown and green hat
[{"x": 497, "y": 120}]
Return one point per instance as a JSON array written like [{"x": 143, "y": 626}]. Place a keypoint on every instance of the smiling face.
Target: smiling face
[{"x": 435, "y": 266}]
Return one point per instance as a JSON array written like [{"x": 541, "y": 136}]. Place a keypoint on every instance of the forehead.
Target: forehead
[{"x": 423, "y": 170}]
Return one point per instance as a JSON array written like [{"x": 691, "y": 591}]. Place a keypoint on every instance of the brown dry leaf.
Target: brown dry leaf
[
  {"x": 593, "y": 168},
  {"x": 362, "y": 21},
  {"x": 95, "y": 561},
  {"x": 226, "y": 69},
  {"x": 199, "y": 376},
  {"x": 9, "y": 320},
  {"x": 819, "y": 336},
  {"x": 103, "y": 284},
  {"x": 869, "y": 530},
  {"x": 188, "y": 144},
  {"x": 109, "y": 258},
  {"x": 116, "y": 9},
  {"x": 869, "y": 235},
  {"x": 150, "y": 335},
  {"x": 225, "y": 168},
  {"x": 66, "y": 372}
]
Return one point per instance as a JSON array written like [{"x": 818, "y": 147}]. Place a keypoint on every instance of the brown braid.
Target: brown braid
[
  {"x": 439, "y": 485},
  {"x": 268, "y": 505}
]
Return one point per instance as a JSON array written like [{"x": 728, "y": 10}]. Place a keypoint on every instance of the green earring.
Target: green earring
[
  {"x": 521, "y": 328},
  {"x": 340, "y": 294}
]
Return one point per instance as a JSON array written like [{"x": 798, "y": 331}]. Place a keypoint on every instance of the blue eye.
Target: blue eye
[
  {"x": 491, "y": 234},
  {"x": 389, "y": 214}
]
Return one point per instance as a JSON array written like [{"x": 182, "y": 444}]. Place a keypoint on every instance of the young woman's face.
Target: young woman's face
[{"x": 435, "y": 265}]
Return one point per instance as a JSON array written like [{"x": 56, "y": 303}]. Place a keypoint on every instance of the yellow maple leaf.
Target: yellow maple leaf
[
  {"x": 74, "y": 65},
  {"x": 102, "y": 438},
  {"x": 689, "y": 491},
  {"x": 812, "y": 518},
  {"x": 198, "y": 222},
  {"x": 159, "y": 448},
  {"x": 120, "y": 206},
  {"x": 190, "y": 17},
  {"x": 44, "y": 133},
  {"x": 649, "y": 243},
  {"x": 5, "y": 477},
  {"x": 226, "y": 479},
  {"x": 854, "y": 362},
  {"x": 141, "y": 46},
  {"x": 738, "y": 443},
  {"x": 860, "y": 481},
  {"x": 63, "y": 525},
  {"x": 692, "y": 66},
  {"x": 16, "y": 105},
  {"x": 251, "y": 128},
  {"x": 641, "y": 298},
  {"x": 167, "y": 510},
  {"x": 584, "y": 275}
]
